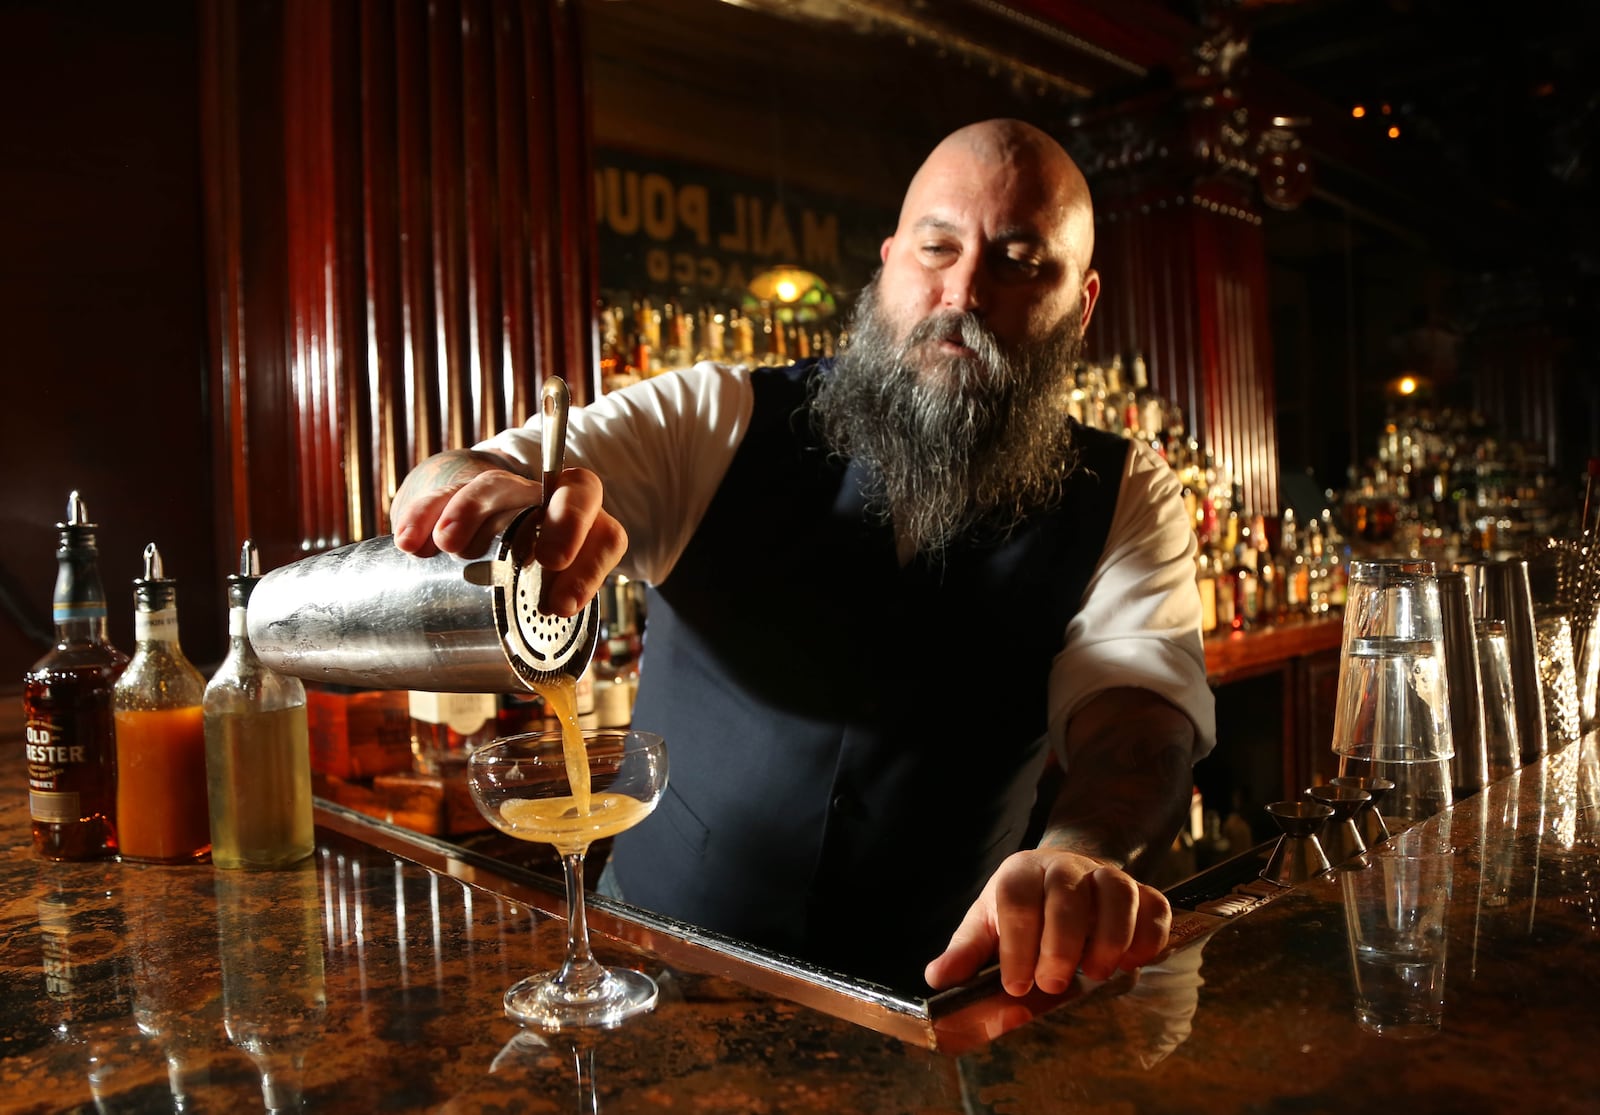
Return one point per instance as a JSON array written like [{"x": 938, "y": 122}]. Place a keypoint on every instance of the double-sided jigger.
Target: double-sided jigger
[
  {"x": 1368, "y": 819},
  {"x": 1341, "y": 839},
  {"x": 1298, "y": 855}
]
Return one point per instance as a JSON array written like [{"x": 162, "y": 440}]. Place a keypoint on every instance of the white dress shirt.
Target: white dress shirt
[{"x": 662, "y": 446}]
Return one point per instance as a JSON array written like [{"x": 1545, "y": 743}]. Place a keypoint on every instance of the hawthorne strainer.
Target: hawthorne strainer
[{"x": 539, "y": 645}]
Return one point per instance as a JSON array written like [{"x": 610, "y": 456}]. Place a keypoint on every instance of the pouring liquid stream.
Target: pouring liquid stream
[
  {"x": 571, "y": 822},
  {"x": 562, "y": 694}
]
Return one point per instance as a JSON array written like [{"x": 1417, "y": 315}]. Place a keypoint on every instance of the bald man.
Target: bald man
[{"x": 885, "y": 590}]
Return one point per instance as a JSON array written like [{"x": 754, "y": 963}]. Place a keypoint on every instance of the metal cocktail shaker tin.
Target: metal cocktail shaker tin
[
  {"x": 1469, "y": 766},
  {"x": 370, "y": 615}
]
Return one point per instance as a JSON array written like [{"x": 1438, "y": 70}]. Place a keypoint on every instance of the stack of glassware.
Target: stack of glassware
[{"x": 1392, "y": 718}]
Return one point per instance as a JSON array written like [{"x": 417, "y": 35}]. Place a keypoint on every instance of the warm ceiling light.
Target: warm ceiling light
[
  {"x": 1359, "y": 111},
  {"x": 1407, "y": 385},
  {"x": 1386, "y": 110},
  {"x": 1394, "y": 132},
  {"x": 797, "y": 294}
]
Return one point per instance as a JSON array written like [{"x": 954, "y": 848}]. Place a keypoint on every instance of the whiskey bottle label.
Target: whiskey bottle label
[
  {"x": 51, "y": 755},
  {"x": 56, "y": 808}
]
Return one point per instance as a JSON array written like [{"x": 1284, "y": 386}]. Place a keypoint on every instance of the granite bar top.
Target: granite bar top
[{"x": 369, "y": 979}]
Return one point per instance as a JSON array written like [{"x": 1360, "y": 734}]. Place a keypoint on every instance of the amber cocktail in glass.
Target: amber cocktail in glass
[{"x": 569, "y": 791}]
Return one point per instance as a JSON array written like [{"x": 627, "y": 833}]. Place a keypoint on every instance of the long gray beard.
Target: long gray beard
[{"x": 955, "y": 447}]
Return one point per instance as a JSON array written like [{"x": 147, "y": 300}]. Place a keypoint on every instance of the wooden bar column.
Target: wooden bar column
[
  {"x": 399, "y": 245},
  {"x": 1182, "y": 258}
]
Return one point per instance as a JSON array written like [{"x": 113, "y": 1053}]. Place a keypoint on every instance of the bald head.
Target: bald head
[
  {"x": 1026, "y": 164},
  {"x": 997, "y": 222}
]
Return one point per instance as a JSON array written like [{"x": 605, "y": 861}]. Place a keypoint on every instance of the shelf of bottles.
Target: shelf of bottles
[
  {"x": 1444, "y": 485},
  {"x": 643, "y": 335},
  {"x": 1252, "y": 572}
]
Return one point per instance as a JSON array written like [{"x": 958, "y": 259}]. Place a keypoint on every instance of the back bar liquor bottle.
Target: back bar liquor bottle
[{"x": 67, "y": 701}]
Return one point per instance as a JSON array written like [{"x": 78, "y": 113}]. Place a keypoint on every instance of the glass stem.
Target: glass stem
[
  {"x": 580, "y": 973},
  {"x": 588, "y": 1097}
]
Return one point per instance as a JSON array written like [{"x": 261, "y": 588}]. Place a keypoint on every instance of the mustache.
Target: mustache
[{"x": 957, "y": 325}]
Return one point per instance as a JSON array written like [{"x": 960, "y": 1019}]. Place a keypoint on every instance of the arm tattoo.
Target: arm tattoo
[
  {"x": 451, "y": 469},
  {"x": 1128, "y": 788}
]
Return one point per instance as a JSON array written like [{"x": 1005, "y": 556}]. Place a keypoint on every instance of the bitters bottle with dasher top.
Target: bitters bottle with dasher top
[
  {"x": 258, "y": 757},
  {"x": 161, "y": 742}
]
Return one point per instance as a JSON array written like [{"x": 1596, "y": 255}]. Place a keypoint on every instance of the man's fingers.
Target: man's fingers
[
  {"x": 413, "y": 524},
  {"x": 571, "y": 511},
  {"x": 1151, "y": 931},
  {"x": 1019, "y": 896},
  {"x": 480, "y": 509},
  {"x": 569, "y": 589},
  {"x": 1069, "y": 910},
  {"x": 1048, "y": 918},
  {"x": 579, "y": 542},
  {"x": 972, "y": 943},
  {"x": 1116, "y": 908}
]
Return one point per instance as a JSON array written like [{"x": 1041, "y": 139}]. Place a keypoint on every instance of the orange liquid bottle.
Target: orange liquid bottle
[{"x": 162, "y": 816}]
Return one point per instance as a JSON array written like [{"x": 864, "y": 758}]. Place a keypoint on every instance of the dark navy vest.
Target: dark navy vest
[{"x": 854, "y": 745}]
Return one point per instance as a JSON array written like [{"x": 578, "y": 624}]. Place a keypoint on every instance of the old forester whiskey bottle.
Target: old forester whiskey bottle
[{"x": 66, "y": 699}]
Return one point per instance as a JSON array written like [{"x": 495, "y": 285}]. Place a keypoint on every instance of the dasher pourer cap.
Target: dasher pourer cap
[{"x": 243, "y": 583}]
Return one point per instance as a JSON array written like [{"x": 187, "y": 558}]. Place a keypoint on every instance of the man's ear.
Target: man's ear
[
  {"x": 883, "y": 251},
  {"x": 1091, "y": 295}
]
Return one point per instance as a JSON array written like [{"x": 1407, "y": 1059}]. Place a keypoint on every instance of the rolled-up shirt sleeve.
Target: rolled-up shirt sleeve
[
  {"x": 660, "y": 446},
  {"x": 1139, "y": 623}
]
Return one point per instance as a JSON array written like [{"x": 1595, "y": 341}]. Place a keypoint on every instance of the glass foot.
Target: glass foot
[{"x": 620, "y": 993}]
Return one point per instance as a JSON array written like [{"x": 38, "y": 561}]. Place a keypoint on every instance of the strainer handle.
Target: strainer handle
[{"x": 554, "y": 399}]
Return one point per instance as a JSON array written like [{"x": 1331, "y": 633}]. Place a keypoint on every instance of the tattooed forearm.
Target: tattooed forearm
[
  {"x": 1127, "y": 790},
  {"x": 450, "y": 469}
]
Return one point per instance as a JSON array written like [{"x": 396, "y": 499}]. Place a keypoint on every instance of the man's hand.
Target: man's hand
[
  {"x": 1065, "y": 905},
  {"x": 459, "y": 500},
  {"x": 1050, "y": 912}
]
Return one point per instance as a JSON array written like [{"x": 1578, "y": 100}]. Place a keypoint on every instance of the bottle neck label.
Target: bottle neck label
[
  {"x": 160, "y": 626},
  {"x": 236, "y": 623},
  {"x": 69, "y": 611}
]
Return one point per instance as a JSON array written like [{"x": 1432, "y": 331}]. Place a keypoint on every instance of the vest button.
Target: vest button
[{"x": 845, "y": 803}]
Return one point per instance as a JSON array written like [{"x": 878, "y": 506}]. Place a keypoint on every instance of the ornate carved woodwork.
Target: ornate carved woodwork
[{"x": 1179, "y": 245}]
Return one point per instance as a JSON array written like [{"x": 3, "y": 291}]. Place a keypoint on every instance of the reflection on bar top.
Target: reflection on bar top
[{"x": 943, "y": 1020}]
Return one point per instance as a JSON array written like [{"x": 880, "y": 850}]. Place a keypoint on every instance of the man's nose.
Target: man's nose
[{"x": 964, "y": 286}]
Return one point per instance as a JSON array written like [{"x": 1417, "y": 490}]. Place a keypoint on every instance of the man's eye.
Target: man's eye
[
  {"x": 937, "y": 249},
  {"x": 1023, "y": 265}
]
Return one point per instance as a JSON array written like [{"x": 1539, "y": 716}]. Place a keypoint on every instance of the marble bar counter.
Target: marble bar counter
[{"x": 370, "y": 980}]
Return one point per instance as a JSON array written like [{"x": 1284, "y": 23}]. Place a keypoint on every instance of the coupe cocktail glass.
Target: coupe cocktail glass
[{"x": 570, "y": 792}]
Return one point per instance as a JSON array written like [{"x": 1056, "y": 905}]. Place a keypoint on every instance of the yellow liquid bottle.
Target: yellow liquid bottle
[{"x": 258, "y": 755}]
